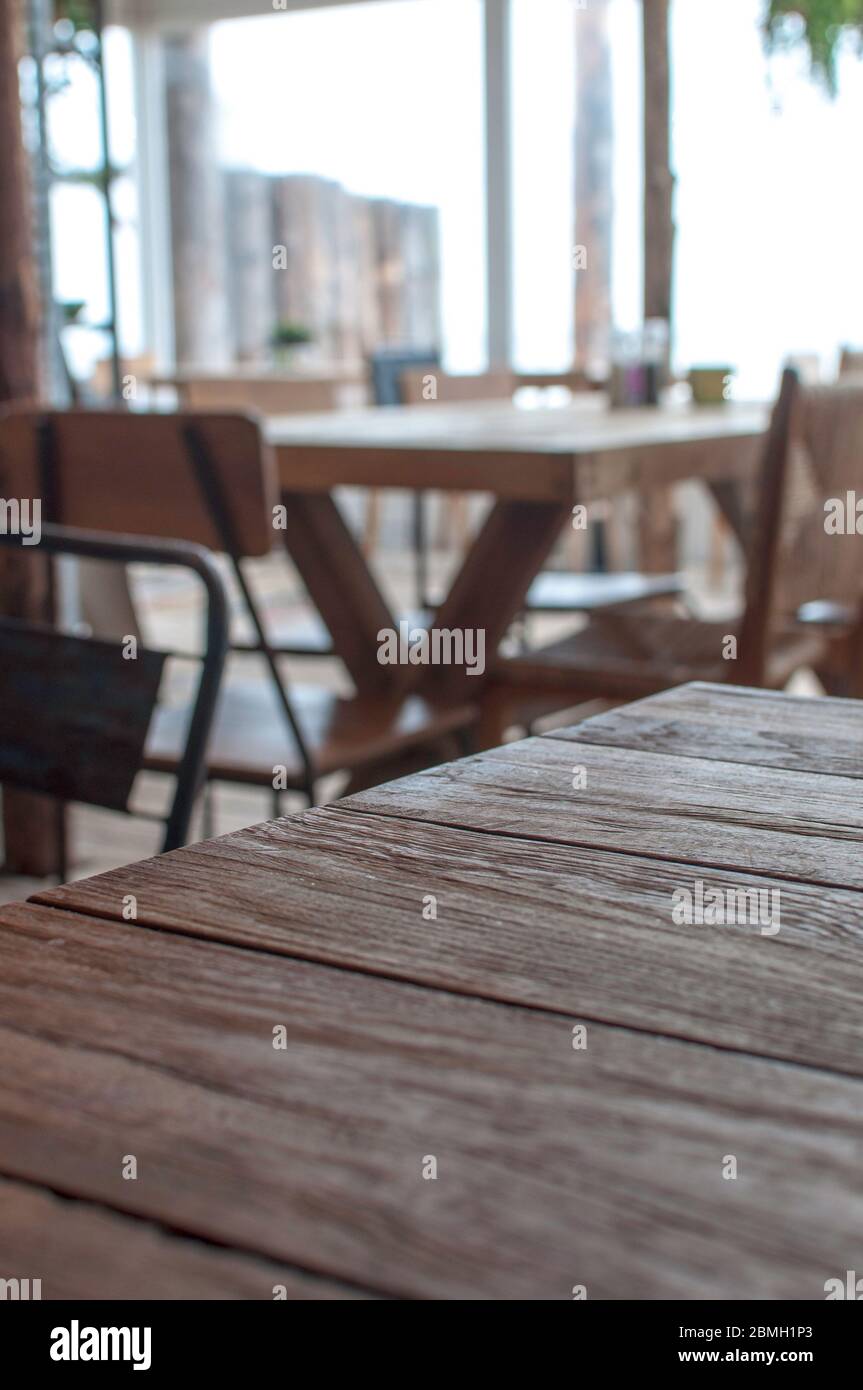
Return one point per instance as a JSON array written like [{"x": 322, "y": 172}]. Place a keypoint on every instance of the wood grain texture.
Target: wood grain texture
[
  {"x": 576, "y": 931},
  {"x": 556, "y": 1167},
  {"x": 82, "y": 1251},
  {"x": 732, "y": 724},
  {"x": 785, "y": 824}
]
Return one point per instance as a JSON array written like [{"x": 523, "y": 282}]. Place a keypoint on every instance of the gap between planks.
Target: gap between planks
[
  {"x": 189, "y": 1243},
  {"x": 448, "y": 989},
  {"x": 522, "y": 835}
]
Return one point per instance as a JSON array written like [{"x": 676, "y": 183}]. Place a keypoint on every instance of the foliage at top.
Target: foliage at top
[{"x": 819, "y": 24}]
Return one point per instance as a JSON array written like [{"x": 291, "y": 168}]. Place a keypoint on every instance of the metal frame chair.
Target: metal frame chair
[
  {"x": 38, "y": 657},
  {"x": 210, "y": 479}
]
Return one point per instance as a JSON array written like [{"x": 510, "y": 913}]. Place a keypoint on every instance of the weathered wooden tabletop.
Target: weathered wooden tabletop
[
  {"x": 477, "y": 973},
  {"x": 561, "y": 454}
]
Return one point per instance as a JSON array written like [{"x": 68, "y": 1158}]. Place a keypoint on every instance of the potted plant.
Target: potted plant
[
  {"x": 820, "y": 24},
  {"x": 287, "y": 337},
  {"x": 71, "y": 311}
]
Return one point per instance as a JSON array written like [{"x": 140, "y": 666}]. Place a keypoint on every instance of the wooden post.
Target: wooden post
[
  {"x": 657, "y": 522},
  {"x": 30, "y": 828},
  {"x": 658, "y": 178},
  {"x": 594, "y": 190}
]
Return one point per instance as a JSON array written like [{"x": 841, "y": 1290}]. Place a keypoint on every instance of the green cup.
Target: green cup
[{"x": 710, "y": 385}]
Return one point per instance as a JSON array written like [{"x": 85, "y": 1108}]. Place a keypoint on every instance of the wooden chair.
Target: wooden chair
[
  {"x": 75, "y": 712},
  {"x": 832, "y": 437},
  {"x": 418, "y": 386},
  {"x": 270, "y": 394},
  {"x": 101, "y": 383},
  {"x": 574, "y": 380},
  {"x": 210, "y": 479},
  {"x": 431, "y": 385},
  {"x": 624, "y": 657}
]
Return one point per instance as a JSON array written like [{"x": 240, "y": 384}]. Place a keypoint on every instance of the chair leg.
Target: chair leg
[
  {"x": 62, "y": 841},
  {"x": 371, "y": 528},
  {"x": 208, "y": 811},
  {"x": 420, "y": 539},
  {"x": 466, "y": 741}
]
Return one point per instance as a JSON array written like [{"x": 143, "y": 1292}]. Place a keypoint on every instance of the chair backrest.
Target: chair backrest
[
  {"x": 429, "y": 386},
  {"x": 134, "y": 474},
  {"x": 388, "y": 365},
  {"x": 272, "y": 395},
  {"x": 101, "y": 382},
  {"x": 574, "y": 381},
  {"x": 75, "y": 711},
  {"x": 802, "y": 545}
]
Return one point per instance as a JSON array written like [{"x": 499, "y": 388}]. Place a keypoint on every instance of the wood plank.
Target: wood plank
[
  {"x": 697, "y": 811},
  {"x": 571, "y": 930},
  {"x": 733, "y": 724},
  {"x": 556, "y": 1167},
  {"x": 80, "y": 1250}
]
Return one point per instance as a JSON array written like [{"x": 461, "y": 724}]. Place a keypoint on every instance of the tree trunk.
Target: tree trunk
[
  {"x": 19, "y": 324},
  {"x": 658, "y": 178},
  {"x": 593, "y": 187},
  {"x": 31, "y": 838}
]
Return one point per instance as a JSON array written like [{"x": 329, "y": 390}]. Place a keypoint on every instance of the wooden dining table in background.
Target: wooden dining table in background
[
  {"x": 537, "y": 464},
  {"x": 446, "y": 1039}
]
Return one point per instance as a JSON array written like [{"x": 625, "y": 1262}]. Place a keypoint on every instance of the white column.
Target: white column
[
  {"x": 498, "y": 163},
  {"x": 154, "y": 197}
]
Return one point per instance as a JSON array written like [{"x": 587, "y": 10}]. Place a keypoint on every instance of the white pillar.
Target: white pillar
[
  {"x": 154, "y": 197},
  {"x": 498, "y": 166}
]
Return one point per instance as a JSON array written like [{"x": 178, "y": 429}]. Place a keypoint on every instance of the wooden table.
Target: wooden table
[
  {"x": 429, "y": 948},
  {"x": 538, "y": 464}
]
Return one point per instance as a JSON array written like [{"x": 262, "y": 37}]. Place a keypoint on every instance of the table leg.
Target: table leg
[
  {"x": 733, "y": 497},
  {"x": 340, "y": 585},
  {"x": 657, "y": 531},
  {"x": 491, "y": 586}
]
